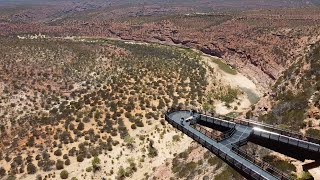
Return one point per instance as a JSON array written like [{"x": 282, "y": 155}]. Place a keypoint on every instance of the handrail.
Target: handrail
[
  {"x": 227, "y": 134},
  {"x": 228, "y": 118},
  {"x": 250, "y": 122},
  {"x": 282, "y": 131},
  {"x": 246, "y": 156},
  {"x": 299, "y": 138},
  {"x": 206, "y": 132},
  {"x": 261, "y": 164},
  {"x": 241, "y": 142},
  {"x": 217, "y": 138},
  {"x": 232, "y": 161}
]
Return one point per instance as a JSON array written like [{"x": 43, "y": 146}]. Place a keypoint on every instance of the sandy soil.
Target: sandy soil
[
  {"x": 315, "y": 172},
  {"x": 166, "y": 147},
  {"x": 236, "y": 81}
]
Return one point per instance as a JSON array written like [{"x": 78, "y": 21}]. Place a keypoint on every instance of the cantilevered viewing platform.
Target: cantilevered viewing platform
[{"x": 238, "y": 132}]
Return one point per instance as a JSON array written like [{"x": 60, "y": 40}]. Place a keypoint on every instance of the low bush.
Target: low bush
[{"x": 64, "y": 174}]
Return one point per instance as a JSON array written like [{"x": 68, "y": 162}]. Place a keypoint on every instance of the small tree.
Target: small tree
[
  {"x": 129, "y": 142},
  {"x": 89, "y": 169},
  {"x": 39, "y": 177},
  {"x": 30, "y": 142},
  {"x": 176, "y": 138},
  {"x": 96, "y": 164},
  {"x": 64, "y": 174},
  {"x": 31, "y": 168},
  {"x": 2, "y": 172},
  {"x": 153, "y": 152},
  {"x": 59, "y": 164},
  {"x": 133, "y": 126},
  {"x": 58, "y": 152},
  {"x": 80, "y": 158},
  {"x": 67, "y": 162},
  {"x": 80, "y": 126},
  {"x": 121, "y": 173}
]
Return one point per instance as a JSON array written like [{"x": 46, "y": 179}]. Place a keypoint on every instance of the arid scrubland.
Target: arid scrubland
[
  {"x": 94, "y": 108},
  {"x": 84, "y": 85}
]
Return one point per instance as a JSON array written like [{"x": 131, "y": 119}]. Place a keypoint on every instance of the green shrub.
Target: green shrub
[
  {"x": 228, "y": 173},
  {"x": 59, "y": 164},
  {"x": 58, "y": 152},
  {"x": 64, "y": 174},
  {"x": 31, "y": 168},
  {"x": 283, "y": 166},
  {"x": 89, "y": 169},
  {"x": 313, "y": 132},
  {"x": 152, "y": 151},
  {"x": 133, "y": 126},
  {"x": 215, "y": 161},
  {"x": 2, "y": 172},
  {"x": 306, "y": 176},
  {"x": 80, "y": 158},
  {"x": 80, "y": 126},
  {"x": 96, "y": 163},
  {"x": 67, "y": 162},
  {"x": 176, "y": 138}
]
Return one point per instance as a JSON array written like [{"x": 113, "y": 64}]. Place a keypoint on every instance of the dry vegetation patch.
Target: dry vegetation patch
[{"x": 91, "y": 102}]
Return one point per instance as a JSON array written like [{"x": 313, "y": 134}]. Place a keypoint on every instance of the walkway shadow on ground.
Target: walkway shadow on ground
[
  {"x": 311, "y": 165},
  {"x": 286, "y": 149}
]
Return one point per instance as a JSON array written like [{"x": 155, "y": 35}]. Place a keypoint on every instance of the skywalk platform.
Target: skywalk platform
[{"x": 237, "y": 133}]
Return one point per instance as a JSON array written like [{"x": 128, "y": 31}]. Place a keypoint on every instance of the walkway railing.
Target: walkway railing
[
  {"x": 288, "y": 133},
  {"x": 288, "y": 140},
  {"x": 211, "y": 135},
  {"x": 221, "y": 122},
  {"x": 276, "y": 129},
  {"x": 207, "y": 133},
  {"x": 230, "y": 160},
  {"x": 253, "y": 123},
  {"x": 263, "y": 165},
  {"x": 227, "y": 134},
  {"x": 241, "y": 142}
]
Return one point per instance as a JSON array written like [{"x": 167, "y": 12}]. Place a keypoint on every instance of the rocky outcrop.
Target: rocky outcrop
[{"x": 212, "y": 52}]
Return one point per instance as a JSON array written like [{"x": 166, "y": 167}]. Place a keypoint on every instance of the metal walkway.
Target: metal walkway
[
  {"x": 226, "y": 145},
  {"x": 242, "y": 133}
]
